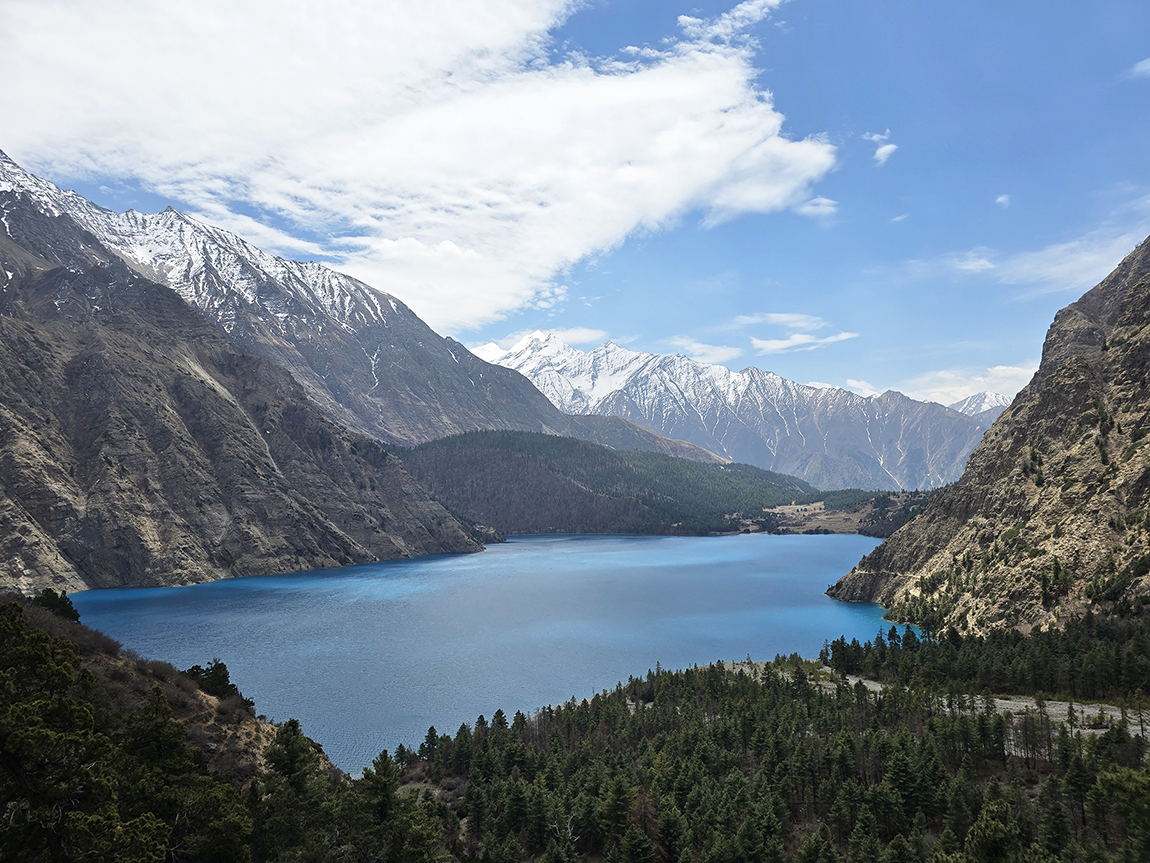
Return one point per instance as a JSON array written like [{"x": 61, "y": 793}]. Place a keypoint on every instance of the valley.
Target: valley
[{"x": 167, "y": 419}]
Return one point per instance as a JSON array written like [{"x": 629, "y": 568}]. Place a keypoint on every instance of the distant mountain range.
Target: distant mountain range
[
  {"x": 359, "y": 354},
  {"x": 830, "y": 437},
  {"x": 985, "y": 405}
]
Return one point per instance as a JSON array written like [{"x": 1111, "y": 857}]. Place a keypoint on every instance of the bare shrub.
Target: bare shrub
[
  {"x": 176, "y": 698},
  {"x": 89, "y": 641},
  {"x": 163, "y": 671}
]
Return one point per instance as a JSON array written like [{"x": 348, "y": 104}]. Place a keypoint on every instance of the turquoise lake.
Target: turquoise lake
[{"x": 369, "y": 656}]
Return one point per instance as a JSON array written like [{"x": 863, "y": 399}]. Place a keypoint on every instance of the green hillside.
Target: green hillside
[{"x": 521, "y": 482}]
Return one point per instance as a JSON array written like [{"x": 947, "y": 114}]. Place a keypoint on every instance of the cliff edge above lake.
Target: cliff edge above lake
[{"x": 1049, "y": 517}]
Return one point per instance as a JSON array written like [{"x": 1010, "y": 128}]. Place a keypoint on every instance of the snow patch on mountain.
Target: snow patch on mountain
[
  {"x": 829, "y": 436},
  {"x": 980, "y": 402},
  {"x": 212, "y": 269}
]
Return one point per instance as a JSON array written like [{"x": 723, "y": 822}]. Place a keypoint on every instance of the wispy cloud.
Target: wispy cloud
[
  {"x": 897, "y": 219},
  {"x": 799, "y": 339},
  {"x": 1003, "y": 201},
  {"x": 790, "y": 320},
  {"x": 705, "y": 353},
  {"x": 947, "y": 386},
  {"x": 1073, "y": 265},
  {"x": 883, "y": 153},
  {"x": 974, "y": 261},
  {"x": 463, "y": 165},
  {"x": 1140, "y": 69},
  {"x": 797, "y": 342},
  {"x": 863, "y": 388},
  {"x": 884, "y": 150},
  {"x": 1076, "y": 265},
  {"x": 730, "y": 24},
  {"x": 819, "y": 208}
]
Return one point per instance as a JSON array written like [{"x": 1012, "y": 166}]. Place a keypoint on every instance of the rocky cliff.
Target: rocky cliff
[
  {"x": 138, "y": 446},
  {"x": 1049, "y": 518}
]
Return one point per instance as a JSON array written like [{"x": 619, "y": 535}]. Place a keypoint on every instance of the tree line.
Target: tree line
[{"x": 782, "y": 762}]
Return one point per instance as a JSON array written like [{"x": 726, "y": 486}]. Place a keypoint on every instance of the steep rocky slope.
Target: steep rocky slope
[
  {"x": 139, "y": 447},
  {"x": 360, "y": 354},
  {"x": 1049, "y": 518},
  {"x": 829, "y": 437}
]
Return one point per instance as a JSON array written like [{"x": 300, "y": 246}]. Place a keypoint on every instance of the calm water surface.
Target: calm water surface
[{"x": 369, "y": 656}]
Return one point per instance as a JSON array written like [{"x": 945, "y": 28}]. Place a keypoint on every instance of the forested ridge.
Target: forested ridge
[
  {"x": 704, "y": 765},
  {"x": 521, "y": 482}
]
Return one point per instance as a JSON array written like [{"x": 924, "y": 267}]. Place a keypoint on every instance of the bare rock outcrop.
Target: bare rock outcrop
[{"x": 1049, "y": 518}]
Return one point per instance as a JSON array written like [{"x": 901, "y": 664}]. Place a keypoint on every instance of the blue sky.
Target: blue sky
[{"x": 873, "y": 194}]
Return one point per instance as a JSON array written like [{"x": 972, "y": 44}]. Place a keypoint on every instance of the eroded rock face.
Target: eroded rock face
[
  {"x": 1049, "y": 518},
  {"x": 138, "y": 446}
]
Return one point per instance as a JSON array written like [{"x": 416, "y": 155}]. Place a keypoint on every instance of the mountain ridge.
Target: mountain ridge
[
  {"x": 360, "y": 354},
  {"x": 138, "y": 446},
  {"x": 1049, "y": 519},
  {"x": 829, "y": 437}
]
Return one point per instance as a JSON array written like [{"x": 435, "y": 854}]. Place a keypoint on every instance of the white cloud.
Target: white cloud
[
  {"x": 819, "y": 385},
  {"x": 974, "y": 261},
  {"x": 863, "y": 388},
  {"x": 797, "y": 342},
  {"x": 1003, "y": 201},
  {"x": 883, "y": 153},
  {"x": 1073, "y": 265},
  {"x": 790, "y": 320},
  {"x": 897, "y": 219},
  {"x": 884, "y": 150},
  {"x": 1076, "y": 265},
  {"x": 948, "y": 386},
  {"x": 705, "y": 353},
  {"x": 819, "y": 208},
  {"x": 1140, "y": 69},
  {"x": 800, "y": 338},
  {"x": 730, "y": 24},
  {"x": 459, "y": 164}
]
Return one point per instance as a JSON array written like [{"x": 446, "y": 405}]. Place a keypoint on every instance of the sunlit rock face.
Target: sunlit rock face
[{"x": 1049, "y": 518}]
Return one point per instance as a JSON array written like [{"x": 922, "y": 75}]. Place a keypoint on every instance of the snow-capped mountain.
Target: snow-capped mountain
[
  {"x": 985, "y": 405},
  {"x": 830, "y": 437},
  {"x": 359, "y": 353}
]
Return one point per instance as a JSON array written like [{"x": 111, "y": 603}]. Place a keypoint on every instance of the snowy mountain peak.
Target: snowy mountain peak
[
  {"x": 980, "y": 402},
  {"x": 829, "y": 436},
  {"x": 214, "y": 270}
]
